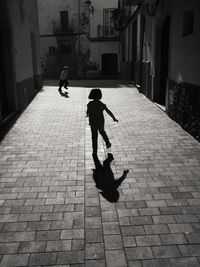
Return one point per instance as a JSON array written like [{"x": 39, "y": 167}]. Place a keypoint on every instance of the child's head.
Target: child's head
[{"x": 95, "y": 94}]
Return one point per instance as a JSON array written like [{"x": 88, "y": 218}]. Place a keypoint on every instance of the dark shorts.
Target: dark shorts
[
  {"x": 97, "y": 123},
  {"x": 63, "y": 82}
]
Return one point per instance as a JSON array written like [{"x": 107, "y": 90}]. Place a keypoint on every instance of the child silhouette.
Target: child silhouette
[
  {"x": 94, "y": 111},
  {"x": 63, "y": 79}
]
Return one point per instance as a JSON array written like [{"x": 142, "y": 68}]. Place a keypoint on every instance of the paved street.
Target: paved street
[{"x": 52, "y": 214}]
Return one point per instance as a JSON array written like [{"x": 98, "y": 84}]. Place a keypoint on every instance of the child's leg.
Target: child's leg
[
  {"x": 66, "y": 84},
  {"x": 105, "y": 137},
  {"x": 60, "y": 85},
  {"x": 94, "y": 132}
]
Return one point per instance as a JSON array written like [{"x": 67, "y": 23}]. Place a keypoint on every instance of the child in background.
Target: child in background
[
  {"x": 95, "y": 110},
  {"x": 63, "y": 78}
]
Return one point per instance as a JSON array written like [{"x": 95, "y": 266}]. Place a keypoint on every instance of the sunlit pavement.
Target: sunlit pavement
[{"x": 53, "y": 215}]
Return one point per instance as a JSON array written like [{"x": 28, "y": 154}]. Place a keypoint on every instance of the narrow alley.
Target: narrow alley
[{"x": 52, "y": 214}]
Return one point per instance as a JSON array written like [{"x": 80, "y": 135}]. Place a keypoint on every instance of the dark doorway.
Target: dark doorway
[
  {"x": 8, "y": 102},
  {"x": 110, "y": 65},
  {"x": 162, "y": 61},
  {"x": 34, "y": 60},
  {"x": 139, "y": 69},
  {"x": 4, "y": 106}
]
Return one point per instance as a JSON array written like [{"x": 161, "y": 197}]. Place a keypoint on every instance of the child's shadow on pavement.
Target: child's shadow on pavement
[
  {"x": 105, "y": 180},
  {"x": 65, "y": 94}
]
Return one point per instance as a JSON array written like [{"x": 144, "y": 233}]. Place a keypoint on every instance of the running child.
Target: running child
[{"x": 94, "y": 111}]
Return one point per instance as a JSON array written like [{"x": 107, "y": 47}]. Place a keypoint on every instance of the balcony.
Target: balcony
[
  {"x": 137, "y": 2},
  {"x": 100, "y": 35},
  {"x": 58, "y": 30}
]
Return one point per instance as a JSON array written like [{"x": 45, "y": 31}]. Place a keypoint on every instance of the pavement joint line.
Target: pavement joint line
[{"x": 47, "y": 189}]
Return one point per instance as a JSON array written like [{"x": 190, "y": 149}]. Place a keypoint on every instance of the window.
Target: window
[
  {"x": 64, "y": 23},
  {"x": 188, "y": 22},
  {"x": 108, "y": 19}
]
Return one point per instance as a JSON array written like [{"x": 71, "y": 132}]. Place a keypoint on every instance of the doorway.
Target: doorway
[
  {"x": 4, "y": 103},
  {"x": 34, "y": 60},
  {"x": 162, "y": 62},
  {"x": 110, "y": 65},
  {"x": 8, "y": 101}
]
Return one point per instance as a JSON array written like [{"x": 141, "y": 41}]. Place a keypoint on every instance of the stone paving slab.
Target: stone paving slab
[{"x": 52, "y": 214}]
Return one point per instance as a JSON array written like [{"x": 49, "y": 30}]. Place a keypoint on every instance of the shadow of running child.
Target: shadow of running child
[
  {"x": 105, "y": 180},
  {"x": 65, "y": 94}
]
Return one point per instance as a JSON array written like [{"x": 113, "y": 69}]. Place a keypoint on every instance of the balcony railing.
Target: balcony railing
[
  {"x": 57, "y": 29},
  {"x": 102, "y": 34}
]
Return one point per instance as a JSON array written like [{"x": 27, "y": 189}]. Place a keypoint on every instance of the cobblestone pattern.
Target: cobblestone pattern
[{"x": 53, "y": 215}]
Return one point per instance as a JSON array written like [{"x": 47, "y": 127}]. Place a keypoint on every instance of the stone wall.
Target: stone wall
[{"x": 184, "y": 106}]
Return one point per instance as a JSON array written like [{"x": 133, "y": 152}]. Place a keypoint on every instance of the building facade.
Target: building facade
[
  {"x": 104, "y": 39},
  {"x": 159, "y": 51},
  {"x": 64, "y": 36},
  {"x": 80, "y": 34},
  {"x": 20, "y": 75}
]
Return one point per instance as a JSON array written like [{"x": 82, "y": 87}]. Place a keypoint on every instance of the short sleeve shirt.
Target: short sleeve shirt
[
  {"x": 63, "y": 75},
  {"x": 95, "y": 111}
]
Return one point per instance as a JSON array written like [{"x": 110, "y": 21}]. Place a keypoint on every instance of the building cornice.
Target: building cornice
[
  {"x": 104, "y": 39},
  {"x": 62, "y": 34}
]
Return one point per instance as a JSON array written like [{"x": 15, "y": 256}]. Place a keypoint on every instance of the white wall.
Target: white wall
[
  {"x": 49, "y": 20},
  {"x": 45, "y": 43},
  {"x": 98, "y": 48},
  {"x": 185, "y": 54},
  {"x": 49, "y": 13},
  {"x": 24, "y": 21},
  {"x": 97, "y": 17}
]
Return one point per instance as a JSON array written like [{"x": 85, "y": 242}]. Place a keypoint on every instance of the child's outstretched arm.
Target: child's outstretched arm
[
  {"x": 121, "y": 179},
  {"x": 111, "y": 115}
]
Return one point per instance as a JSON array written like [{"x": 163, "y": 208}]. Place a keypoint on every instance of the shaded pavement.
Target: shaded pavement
[{"x": 52, "y": 214}]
